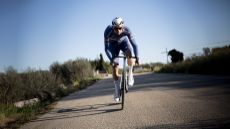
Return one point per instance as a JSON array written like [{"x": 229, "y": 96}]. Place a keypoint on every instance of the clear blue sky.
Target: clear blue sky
[{"x": 36, "y": 33}]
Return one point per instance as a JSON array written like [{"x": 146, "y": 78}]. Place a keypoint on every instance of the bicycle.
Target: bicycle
[{"x": 123, "y": 84}]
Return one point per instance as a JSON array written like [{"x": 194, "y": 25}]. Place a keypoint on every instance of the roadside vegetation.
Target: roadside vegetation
[
  {"x": 62, "y": 79},
  {"x": 46, "y": 85},
  {"x": 104, "y": 67},
  {"x": 212, "y": 61}
]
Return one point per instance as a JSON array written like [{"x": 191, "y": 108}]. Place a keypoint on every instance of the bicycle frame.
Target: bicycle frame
[{"x": 123, "y": 86}]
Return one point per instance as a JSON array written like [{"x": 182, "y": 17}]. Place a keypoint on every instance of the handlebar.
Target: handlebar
[{"x": 124, "y": 57}]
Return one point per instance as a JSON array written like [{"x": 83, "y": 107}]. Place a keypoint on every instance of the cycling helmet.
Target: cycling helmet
[{"x": 117, "y": 22}]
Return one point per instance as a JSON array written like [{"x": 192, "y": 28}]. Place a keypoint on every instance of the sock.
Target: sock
[
  {"x": 116, "y": 83},
  {"x": 117, "y": 88},
  {"x": 130, "y": 70}
]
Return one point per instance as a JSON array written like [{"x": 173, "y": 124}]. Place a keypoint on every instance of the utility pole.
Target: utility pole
[{"x": 166, "y": 52}]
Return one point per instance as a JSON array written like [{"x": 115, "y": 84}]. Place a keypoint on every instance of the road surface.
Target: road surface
[{"x": 157, "y": 101}]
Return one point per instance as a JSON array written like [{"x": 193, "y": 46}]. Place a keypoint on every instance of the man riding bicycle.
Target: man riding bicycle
[{"x": 119, "y": 37}]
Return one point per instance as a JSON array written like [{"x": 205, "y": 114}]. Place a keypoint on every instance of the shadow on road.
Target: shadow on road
[
  {"x": 180, "y": 81},
  {"x": 219, "y": 123},
  {"x": 160, "y": 82},
  {"x": 156, "y": 82},
  {"x": 81, "y": 111}
]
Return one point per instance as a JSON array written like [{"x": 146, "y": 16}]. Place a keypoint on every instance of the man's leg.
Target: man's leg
[
  {"x": 130, "y": 66},
  {"x": 125, "y": 46},
  {"x": 115, "y": 52},
  {"x": 116, "y": 83}
]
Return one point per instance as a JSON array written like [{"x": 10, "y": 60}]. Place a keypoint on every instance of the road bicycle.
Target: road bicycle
[{"x": 123, "y": 85}]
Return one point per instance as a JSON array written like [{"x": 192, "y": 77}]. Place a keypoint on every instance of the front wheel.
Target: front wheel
[
  {"x": 126, "y": 86},
  {"x": 123, "y": 90}
]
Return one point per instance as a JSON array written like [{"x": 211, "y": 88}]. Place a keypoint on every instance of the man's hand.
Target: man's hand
[
  {"x": 137, "y": 61},
  {"x": 113, "y": 63}
]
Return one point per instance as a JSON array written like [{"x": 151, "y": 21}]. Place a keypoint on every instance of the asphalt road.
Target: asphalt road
[{"x": 157, "y": 101}]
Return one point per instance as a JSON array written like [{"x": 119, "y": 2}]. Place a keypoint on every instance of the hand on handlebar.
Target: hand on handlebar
[{"x": 113, "y": 63}]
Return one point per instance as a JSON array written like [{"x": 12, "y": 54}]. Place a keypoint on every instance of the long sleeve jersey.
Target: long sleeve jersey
[{"x": 110, "y": 37}]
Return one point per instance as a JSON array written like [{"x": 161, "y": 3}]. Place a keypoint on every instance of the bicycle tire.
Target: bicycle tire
[
  {"x": 126, "y": 86},
  {"x": 123, "y": 89}
]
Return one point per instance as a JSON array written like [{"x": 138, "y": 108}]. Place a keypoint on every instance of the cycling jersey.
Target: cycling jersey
[{"x": 110, "y": 37}]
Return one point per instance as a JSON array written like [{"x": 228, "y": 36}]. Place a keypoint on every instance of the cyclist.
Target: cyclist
[{"x": 119, "y": 37}]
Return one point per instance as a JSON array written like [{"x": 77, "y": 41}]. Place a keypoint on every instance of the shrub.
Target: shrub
[
  {"x": 10, "y": 86},
  {"x": 41, "y": 84},
  {"x": 72, "y": 71},
  {"x": 216, "y": 62}
]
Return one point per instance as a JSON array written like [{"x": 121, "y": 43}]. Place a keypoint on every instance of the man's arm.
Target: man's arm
[
  {"x": 106, "y": 43},
  {"x": 134, "y": 44},
  {"x": 135, "y": 48},
  {"x": 107, "y": 51}
]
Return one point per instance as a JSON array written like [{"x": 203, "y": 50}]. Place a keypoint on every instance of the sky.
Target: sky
[{"x": 37, "y": 33}]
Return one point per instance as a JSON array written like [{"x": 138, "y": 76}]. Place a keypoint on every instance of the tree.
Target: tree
[
  {"x": 206, "y": 51},
  {"x": 101, "y": 63},
  {"x": 176, "y": 56}
]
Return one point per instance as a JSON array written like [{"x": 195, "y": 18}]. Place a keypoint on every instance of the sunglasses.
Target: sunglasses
[{"x": 116, "y": 28}]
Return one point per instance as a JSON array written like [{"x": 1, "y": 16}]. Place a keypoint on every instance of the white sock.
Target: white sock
[
  {"x": 130, "y": 70},
  {"x": 117, "y": 88}
]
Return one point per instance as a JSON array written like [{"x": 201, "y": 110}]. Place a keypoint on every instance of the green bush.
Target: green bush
[
  {"x": 11, "y": 86},
  {"x": 11, "y": 116},
  {"x": 72, "y": 71},
  {"x": 45, "y": 85},
  {"x": 59, "y": 81},
  {"x": 40, "y": 84}
]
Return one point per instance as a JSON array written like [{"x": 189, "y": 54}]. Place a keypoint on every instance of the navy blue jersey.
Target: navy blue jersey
[{"x": 111, "y": 37}]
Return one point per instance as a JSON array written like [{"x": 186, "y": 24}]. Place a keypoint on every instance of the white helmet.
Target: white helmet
[{"x": 118, "y": 22}]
